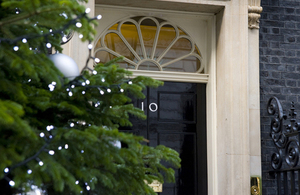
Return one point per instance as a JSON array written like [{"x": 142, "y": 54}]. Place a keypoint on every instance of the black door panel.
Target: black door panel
[{"x": 176, "y": 118}]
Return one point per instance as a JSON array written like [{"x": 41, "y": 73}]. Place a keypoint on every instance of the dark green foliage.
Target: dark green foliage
[{"x": 87, "y": 124}]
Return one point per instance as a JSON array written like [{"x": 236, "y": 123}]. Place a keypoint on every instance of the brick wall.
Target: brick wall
[{"x": 279, "y": 69}]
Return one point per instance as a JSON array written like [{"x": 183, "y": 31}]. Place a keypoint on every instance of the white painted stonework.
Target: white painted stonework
[{"x": 233, "y": 120}]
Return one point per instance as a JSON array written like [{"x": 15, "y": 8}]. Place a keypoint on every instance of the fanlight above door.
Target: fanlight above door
[{"x": 151, "y": 44}]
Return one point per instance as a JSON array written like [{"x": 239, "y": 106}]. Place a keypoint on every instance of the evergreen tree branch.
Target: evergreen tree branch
[
  {"x": 23, "y": 16},
  {"x": 35, "y": 156},
  {"x": 34, "y": 36},
  {"x": 90, "y": 154}
]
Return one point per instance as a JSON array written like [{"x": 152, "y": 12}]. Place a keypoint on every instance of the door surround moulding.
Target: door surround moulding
[
  {"x": 203, "y": 6},
  {"x": 153, "y": 10},
  {"x": 209, "y": 79}
]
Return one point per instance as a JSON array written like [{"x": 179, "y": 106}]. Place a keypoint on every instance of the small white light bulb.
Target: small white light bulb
[
  {"x": 70, "y": 93},
  {"x": 87, "y": 82},
  {"x": 6, "y": 170},
  {"x": 29, "y": 171},
  {"x": 59, "y": 147},
  {"x": 90, "y": 46},
  {"x": 88, "y": 188},
  {"x": 77, "y": 182},
  {"x": 108, "y": 90},
  {"x": 41, "y": 163},
  {"x": 48, "y": 45},
  {"x": 16, "y": 48},
  {"x": 24, "y": 40},
  {"x": 80, "y": 36},
  {"x": 130, "y": 82},
  {"x": 82, "y": 151},
  {"x": 66, "y": 146},
  {"x": 72, "y": 125},
  {"x": 78, "y": 25},
  {"x": 72, "y": 86},
  {"x": 99, "y": 17},
  {"x": 103, "y": 79},
  {"x": 94, "y": 72},
  {"x": 51, "y": 152},
  {"x": 121, "y": 90},
  {"x": 97, "y": 60},
  {"x": 101, "y": 92},
  {"x": 12, "y": 183},
  {"x": 64, "y": 39},
  {"x": 83, "y": 83},
  {"x": 88, "y": 10},
  {"x": 42, "y": 134},
  {"x": 65, "y": 15},
  {"x": 83, "y": 92}
]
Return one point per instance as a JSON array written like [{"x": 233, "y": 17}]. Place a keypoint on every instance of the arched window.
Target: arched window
[{"x": 152, "y": 44}]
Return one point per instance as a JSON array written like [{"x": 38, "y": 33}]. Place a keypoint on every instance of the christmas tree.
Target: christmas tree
[{"x": 61, "y": 134}]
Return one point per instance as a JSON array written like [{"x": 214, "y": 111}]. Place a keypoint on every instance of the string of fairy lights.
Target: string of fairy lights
[
  {"x": 26, "y": 38},
  {"x": 79, "y": 81}
]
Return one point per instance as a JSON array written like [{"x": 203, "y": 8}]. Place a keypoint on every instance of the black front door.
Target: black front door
[{"x": 176, "y": 118}]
